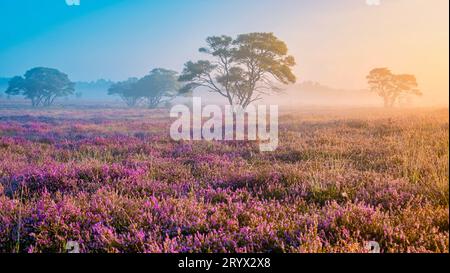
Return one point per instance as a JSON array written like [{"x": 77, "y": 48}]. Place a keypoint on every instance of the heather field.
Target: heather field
[{"x": 113, "y": 180}]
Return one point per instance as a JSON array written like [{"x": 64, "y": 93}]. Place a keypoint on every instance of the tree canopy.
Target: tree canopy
[
  {"x": 159, "y": 86},
  {"x": 41, "y": 85},
  {"x": 126, "y": 91},
  {"x": 390, "y": 86},
  {"x": 241, "y": 69}
]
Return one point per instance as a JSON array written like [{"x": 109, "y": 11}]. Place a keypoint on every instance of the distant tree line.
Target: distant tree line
[{"x": 241, "y": 69}]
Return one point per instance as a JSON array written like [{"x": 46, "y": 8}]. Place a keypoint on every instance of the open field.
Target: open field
[{"x": 113, "y": 180}]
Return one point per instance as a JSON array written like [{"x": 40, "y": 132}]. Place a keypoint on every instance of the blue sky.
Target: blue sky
[
  {"x": 334, "y": 42},
  {"x": 116, "y": 38}
]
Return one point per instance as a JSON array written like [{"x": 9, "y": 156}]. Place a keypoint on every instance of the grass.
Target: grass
[{"x": 113, "y": 180}]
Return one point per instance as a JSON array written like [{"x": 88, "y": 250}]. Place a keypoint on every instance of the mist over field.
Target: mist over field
[{"x": 303, "y": 94}]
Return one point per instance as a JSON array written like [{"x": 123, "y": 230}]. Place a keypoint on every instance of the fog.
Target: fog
[{"x": 335, "y": 44}]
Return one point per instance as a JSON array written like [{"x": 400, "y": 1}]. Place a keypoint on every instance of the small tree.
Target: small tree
[
  {"x": 241, "y": 69},
  {"x": 160, "y": 86},
  {"x": 126, "y": 91},
  {"x": 390, "y": 86},
  {"x": 41, "y": 85}
]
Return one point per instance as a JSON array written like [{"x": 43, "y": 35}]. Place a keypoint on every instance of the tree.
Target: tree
[
  {"x": 159, "y": 86},
  {"x": 126, "y": 91},
  {"x": 390, "y": 86},
  {"x": 41, "y": 85},
  {"x": 242, "y": 69}
]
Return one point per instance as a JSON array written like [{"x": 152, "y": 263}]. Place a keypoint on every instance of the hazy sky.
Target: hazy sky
[{"x": 335, "y": 42}]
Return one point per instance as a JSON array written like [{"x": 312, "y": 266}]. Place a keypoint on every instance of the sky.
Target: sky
[{"x": 335, "y": 42}]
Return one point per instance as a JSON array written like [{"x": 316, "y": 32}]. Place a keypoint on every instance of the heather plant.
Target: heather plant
[{"x": 122, "y": 185}]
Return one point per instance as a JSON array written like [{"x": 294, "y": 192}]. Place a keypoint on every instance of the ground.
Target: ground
[{"x": 113, "y": 181}]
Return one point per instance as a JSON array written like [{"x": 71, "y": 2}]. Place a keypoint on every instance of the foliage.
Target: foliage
[
  {"x": 390, "y": 86},
  {"x": 41, "y": 85},
  {"x": 242, "y": 69},
  {"x": 158, "y": 87},
  {"x": 126, "y": 91}
]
